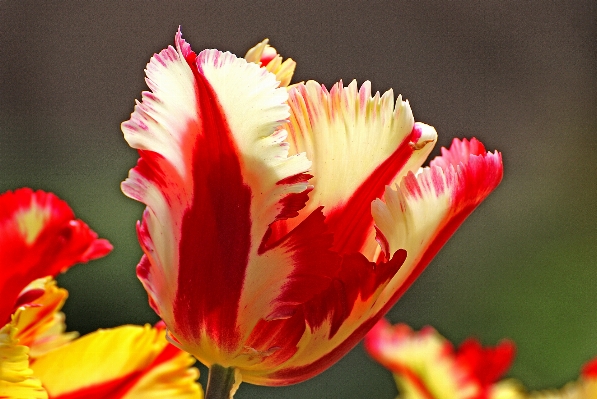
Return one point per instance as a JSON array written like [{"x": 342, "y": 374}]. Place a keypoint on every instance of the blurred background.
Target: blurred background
[{"x": 520, "y": 76}]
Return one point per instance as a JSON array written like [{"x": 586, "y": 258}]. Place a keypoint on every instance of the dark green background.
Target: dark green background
[{"x": 519, "y": 75}]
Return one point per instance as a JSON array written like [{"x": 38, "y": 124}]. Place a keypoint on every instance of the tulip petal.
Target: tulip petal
[
  {"x": 419, "y": 218},
  {"x": 358, "y": 144},
  {"x": 266, "y": 56},
  {"x": 39, "y": 236},
  {"x": 16, "y": 378},
  {"x": 423, "y": 212},
  {"x": 125, "y": 362},
  {"x": 214, "y": 173},
  {"x": 40, "y": 323}
]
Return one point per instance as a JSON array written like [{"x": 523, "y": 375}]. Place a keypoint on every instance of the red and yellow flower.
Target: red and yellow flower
[
  {"x": 40, "y": 237},
  {"x": 426, "y": 366},
  {"x": 281, "y": 224}
]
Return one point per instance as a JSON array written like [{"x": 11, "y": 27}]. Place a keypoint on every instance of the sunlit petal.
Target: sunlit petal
[
  {"x": 426, "y": 208},
  {"x": 358, "y": 143},
  {"x": 125, "y": 362}
]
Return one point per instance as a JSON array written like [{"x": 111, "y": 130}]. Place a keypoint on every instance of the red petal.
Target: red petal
[{"x": 39, "y": 236}]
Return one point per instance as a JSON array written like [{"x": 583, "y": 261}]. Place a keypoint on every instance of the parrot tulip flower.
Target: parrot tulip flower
[
  {"x": 39, "y": 237},
  {"x": 425, "y": 364},
  {"x": 282, "y": 223}
]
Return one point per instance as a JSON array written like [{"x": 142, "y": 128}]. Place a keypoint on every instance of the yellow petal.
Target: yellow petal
[
  {"x": 16, "y": 379},
  {"x": 131, "y": 361},
  {"x": 41, "y": 324}
]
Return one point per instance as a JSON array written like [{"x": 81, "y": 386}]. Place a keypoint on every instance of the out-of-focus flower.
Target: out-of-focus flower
[
  {"x": 584, "y": 388},
  {"x": 125, "y": 362},
  {"x": 251, "y": 266},
  {"x": 39, "y": 237},
  {"x": 425, "y": 364},
  {"x": 128, "y": 362}
]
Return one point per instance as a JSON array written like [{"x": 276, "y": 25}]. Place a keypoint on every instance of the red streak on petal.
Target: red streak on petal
[
  {"x": 478, "y": 178},
  {"x": 315, "y": 266},
  {"x": 28, "y": 296},
  {"x": 293, "y": 375},
  {"x": 279, "y": 337},
  {"x": 351, "y": 221},
  {"x": 215, "y": 232},
  {"x": 415, "y": 380},
  {"x": 114, "y": 389}
]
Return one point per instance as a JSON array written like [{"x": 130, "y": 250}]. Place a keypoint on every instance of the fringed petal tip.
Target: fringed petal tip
[{"x": 462, "y": 152}]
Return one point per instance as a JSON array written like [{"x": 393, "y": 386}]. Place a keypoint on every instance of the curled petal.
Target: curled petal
[
  {"x": 40, "y": 323},
  {"x": 124, "y": 362},
  {"x": 39, "y": 236},
  {"x": 423, "y": 212}
]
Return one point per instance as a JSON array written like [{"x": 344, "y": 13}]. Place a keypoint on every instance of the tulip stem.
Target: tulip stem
[{"x": 220, "y": 382}]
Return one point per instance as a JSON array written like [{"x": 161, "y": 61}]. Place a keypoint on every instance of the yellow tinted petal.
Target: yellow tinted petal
[
  {"x": 41, "y": 325},
  {"x": 127, "y": 354},
  {"x": 16, "y": 379}
]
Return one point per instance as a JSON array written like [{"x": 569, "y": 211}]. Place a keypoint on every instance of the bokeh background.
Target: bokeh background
[{"x": 518, "y": 75}]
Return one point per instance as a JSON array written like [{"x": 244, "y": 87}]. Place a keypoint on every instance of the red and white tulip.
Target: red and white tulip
[{"x": 281, "y": 224}]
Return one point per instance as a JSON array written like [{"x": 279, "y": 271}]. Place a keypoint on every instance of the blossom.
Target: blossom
[
  {"x": 40, "y": 324},
  {"x": 282, "y": 223},
  {"x": 425, "y": 364},
  {"x": 37, "y": 358},
  {"x": 39, "y": 237}
]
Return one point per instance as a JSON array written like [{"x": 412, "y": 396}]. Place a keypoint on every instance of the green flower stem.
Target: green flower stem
[{"x": 220, "y": 382}]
